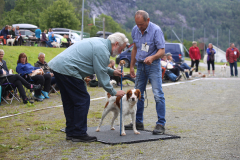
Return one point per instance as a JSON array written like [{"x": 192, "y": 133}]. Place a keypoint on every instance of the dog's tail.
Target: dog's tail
[{"x": 107, "y": 95}]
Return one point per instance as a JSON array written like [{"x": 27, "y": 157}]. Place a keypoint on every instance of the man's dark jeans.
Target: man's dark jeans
[
  {"x": 234, "y": 64},
  {"x": 76, "y": 101}
]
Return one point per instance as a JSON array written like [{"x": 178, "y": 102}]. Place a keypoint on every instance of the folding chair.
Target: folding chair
[
  {"x": 53, "y": 89},
  {"x": 9, "y": 89},
  {"x": 183, "y": 74},
  {"x": 29, "y": 92}
]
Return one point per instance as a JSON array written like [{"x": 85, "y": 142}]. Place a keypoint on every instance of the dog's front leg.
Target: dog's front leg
[
  {"x": 134, "y": 123},
  {"x": 123, "y": 129}
]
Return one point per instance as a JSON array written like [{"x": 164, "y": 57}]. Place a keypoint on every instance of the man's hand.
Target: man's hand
[
  {"x": 117, "y": 73},
  {"x": 148, "y": 60},
  {"x": 132, "y": 72},
  {"x": 4, "y": 72},
  {"x": 120, "y": 93}
]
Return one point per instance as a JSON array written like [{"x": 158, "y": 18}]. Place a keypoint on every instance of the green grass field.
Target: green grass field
[{"x": 12, "y": 53}]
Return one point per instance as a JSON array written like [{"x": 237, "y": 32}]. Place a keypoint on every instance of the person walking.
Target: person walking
[
  {"x": 232, "y": 55},
  {"x": 195, "y": 55},
  {"x": 210, "y": 59},
  {"x": 37, "y": 34},
  {"x": 87, "y": 57},
  {"x": 149, "y": 46}
]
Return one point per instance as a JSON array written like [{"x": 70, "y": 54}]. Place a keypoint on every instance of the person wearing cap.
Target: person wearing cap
[
  {"x": 195, "y": 55},
  {"x": 183, "y": 67}
]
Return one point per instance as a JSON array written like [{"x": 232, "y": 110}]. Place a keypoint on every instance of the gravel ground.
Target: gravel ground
[{"x": 205, "y": 113}]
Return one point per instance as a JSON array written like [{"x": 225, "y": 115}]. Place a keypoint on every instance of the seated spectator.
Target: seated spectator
[
  {"x": 69, "y": 40},
  {"x": 116, "y": 78},
  {"x": 37, "y": 34},
  {"x": 24, "y": 68},
  {"x": 50, "y": 32},
  {"x": 64, "y": 41},
  {"x": 18, "y": 36},
  {"x": 168, "y": 73},
  {"x": 15, "y": 79},
  {"x": 169, "y": 66},
  {"x": 4, "y": 34},
  {"x": 42, "y": 64},
  {"x": 44, "y": 38},
  {"x": 183, "y": 67},
  {"x": 53, "y": 41},
  {"x": 13, "y": 35}
]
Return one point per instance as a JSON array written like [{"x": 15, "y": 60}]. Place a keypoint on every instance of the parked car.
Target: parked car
[
  {"x": 100, "y": 34},
  {"x": 26, "y": 33},
  {"x": 71, "y": 33},
  {"x": 176, "y": 49},
  {"x": 24, "y": 26}
]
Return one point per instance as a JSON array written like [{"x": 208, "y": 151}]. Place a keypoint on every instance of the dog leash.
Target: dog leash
[
  {"x": 121, "y": 104},
  {"x": 145, "y": 98}
]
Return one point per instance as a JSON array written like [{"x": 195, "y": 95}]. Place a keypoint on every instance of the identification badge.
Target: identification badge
[
  {"x": 235, "y": 52},
  {"x": 145, "y": 47}
]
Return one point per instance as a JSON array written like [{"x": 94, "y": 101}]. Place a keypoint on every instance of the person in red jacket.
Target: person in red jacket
[
  {"x": 195, "y": 55},
  {"x": 232, "y": 54}
]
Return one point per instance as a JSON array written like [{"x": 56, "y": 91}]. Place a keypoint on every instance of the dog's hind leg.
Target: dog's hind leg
[
  {"x": 115, "y": 115},
  {"x": 105, "y": 112}
]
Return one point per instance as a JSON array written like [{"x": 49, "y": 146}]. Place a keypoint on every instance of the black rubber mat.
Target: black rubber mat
[{"x": 108, "y": 136}]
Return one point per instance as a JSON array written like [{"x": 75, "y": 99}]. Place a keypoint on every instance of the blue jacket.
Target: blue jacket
[
  {"x": 26, "y": 68},
  {"x": 209, "y": 53},
  {"x": 4, "y": 32},
  {"x": 52, "y": 39},
  {"x": 37, "y": 33}
]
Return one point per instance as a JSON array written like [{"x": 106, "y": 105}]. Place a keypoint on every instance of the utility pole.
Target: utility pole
[
  {"x": 104, "y": 27},
  {"x": 217, "y": 46},
  {"x": 229, "y": 38},
  {"x": 182, "y": 32},
  {"x": 204, "y": 40},
  {"x": 193, "y": 33},
  {"x": 82, "y": 18}
]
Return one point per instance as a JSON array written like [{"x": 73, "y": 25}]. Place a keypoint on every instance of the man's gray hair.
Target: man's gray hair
[
  {"x": 142, "y": 13},
  {"x": 118, "y": 37},
  {"x": 2, "y": 51},
  {"x": 41, "y": 54}
]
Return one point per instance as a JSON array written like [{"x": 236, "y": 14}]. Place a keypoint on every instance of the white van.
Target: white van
[{"x": 73, "y": 35}]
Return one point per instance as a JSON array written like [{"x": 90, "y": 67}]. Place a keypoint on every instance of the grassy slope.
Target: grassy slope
[{"x": 12, "y": 53}]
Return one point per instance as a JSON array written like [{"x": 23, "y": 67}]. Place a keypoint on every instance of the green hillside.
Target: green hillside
[{"x": 223, "y": 15}]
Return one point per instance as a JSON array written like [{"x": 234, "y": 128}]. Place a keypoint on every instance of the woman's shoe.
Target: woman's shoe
[
  {"x": 27, "y": 101},
  {"x": 45, "y": 94},
  {"x": 39, "y": 97}
]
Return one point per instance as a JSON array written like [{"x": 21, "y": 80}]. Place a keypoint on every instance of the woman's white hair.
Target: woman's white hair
[
  {"x": 41, "y": 54},
  {"x": 2, "y": 51},
  {"x": 118, "y": 37}
]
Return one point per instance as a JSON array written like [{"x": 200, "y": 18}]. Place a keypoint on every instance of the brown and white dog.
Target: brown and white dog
[
  {"x": 224, "y": 69},
  {"x": 129, "y": 106},
  {"x": 121, "y": 63}
]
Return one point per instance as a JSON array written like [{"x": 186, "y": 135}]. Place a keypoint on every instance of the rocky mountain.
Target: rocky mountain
[{"x": 190, "y": 19}]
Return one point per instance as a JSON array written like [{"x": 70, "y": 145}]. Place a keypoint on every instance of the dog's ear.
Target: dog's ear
[
  {"x": 138, "y": 93},
  {"x": 129, "y": 94}
]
